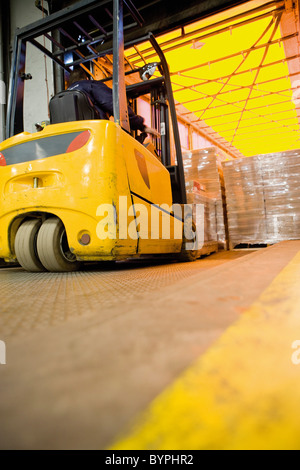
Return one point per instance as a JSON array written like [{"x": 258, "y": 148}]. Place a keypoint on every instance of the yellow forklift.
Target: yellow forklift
[{"x": 83, "y": 189}]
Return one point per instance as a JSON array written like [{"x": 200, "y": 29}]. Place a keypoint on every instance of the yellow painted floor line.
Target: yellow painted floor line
[{"x": 244, "y": 393}]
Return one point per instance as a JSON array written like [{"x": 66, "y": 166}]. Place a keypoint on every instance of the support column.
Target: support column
[{"x": 119, "y": 89}]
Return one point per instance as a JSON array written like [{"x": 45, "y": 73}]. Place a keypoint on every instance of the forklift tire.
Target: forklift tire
[
  {"x": 188, "y": 255},
  {"x": 26, "y": 246},
  {"x": 53, "y": 248}
]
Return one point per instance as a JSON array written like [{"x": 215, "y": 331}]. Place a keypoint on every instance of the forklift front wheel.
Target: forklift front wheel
[
  {"x": 53, "y": 248},
  {"x": 26, "y": 246},
  {"x": 189, "y": 254}
]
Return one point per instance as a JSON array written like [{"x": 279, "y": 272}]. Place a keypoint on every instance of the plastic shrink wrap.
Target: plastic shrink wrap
[
  {"x": 263, "y": 198},
  {"x": 204, "y": 185}
]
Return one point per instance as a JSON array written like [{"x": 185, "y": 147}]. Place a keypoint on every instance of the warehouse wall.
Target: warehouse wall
[{"x": 24, "y": 12}]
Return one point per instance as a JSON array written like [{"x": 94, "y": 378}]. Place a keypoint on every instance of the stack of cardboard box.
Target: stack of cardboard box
[
  {"x": 204, "y": 185},
  {"x": 263, "y": 198}
]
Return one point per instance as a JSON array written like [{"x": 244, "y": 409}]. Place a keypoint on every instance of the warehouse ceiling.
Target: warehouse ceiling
[{"x": 235, "y": 76}]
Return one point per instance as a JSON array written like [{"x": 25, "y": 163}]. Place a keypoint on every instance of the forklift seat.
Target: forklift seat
[{"x": 71, "y": 105}]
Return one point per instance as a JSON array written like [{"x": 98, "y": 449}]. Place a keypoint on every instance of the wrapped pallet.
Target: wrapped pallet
[
  {"x": 281, "y": 175},
  {"x": 207, "y": 220},
  {"x": 203, "y": 177},
  {"x": 263, "y": 198},
  {"x": 245, "y": 201}
]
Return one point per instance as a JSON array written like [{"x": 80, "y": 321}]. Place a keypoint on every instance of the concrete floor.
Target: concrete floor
[{"x": 87, "y": 352}]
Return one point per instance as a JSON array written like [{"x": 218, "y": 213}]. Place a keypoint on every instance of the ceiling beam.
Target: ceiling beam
[
  {"x": 278, "y": 6},
  {"x": 240, "y": 87},
  {"x": 276, "y": 62},
  {"x": 236, "y": 54},
  {"x": 240, "y": 101},
  {"x": 250, "y": 110}
]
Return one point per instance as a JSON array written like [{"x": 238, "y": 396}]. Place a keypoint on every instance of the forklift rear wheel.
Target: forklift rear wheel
[
  {"x": 26, "y": 246},
  {"x": 53, "y": 248}
]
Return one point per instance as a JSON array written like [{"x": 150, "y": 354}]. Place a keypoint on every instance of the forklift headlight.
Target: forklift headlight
[{"x": 147, "y": 71}]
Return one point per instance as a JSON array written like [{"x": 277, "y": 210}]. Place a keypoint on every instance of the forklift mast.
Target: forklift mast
[{"x": 102, "y": 25}]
